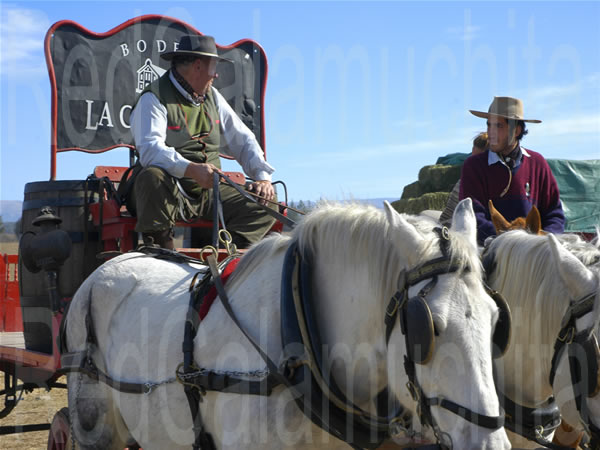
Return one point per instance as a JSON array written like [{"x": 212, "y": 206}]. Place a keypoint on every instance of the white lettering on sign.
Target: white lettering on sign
[
  {"x": 122, "y": 115},
  {"x": 104, "y": 116},
  {"x": 141, "y": 46},
  {"x": 88, "y": 123}
]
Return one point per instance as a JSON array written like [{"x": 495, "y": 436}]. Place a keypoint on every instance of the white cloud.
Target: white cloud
[
  {"x": 22, "y": 34},
  {"x": 553, "y": 97},
  {"x": 581, "y": 125}
]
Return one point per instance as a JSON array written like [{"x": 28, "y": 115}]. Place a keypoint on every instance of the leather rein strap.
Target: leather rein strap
[{"x": 283, "y": 219}]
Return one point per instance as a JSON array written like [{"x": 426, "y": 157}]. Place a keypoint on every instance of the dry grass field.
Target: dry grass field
[
  {"x": 36, "y": 407},
  {"x": 11, "y": 248}
]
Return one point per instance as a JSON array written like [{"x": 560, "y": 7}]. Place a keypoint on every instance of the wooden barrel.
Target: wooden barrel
[{"x": 68, "y": 199}]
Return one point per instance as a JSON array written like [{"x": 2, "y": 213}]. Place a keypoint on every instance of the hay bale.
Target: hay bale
[
  {"x": 438, "y": 178},
  {"x": 432, "y": 200},
  {"x": 412, "y": 190}
]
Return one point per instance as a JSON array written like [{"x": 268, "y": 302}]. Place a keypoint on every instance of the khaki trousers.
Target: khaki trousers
[{"x": 158, "y": 204}]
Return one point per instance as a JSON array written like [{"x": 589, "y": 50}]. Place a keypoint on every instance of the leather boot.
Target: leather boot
[{"x": 163, "y": 238}]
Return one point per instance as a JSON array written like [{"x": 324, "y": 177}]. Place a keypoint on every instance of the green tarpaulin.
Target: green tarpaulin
[{"x": 579, "y": 185}]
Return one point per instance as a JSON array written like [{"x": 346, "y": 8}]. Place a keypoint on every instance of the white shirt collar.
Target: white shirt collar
[
  {"x": 493, "y": 157},
  {"x": 181, "y": 90}
]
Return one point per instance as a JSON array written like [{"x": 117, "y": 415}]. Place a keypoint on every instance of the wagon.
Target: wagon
[{"x": 95, "y": 79}]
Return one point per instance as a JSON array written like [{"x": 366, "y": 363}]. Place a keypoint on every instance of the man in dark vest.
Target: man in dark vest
[{"x": 177, "y": 124}]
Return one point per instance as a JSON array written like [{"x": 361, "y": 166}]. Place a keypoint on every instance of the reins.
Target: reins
[{"x": 253, "y": 198}]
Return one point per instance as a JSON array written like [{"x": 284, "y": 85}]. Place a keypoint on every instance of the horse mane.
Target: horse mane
[
  {"x": 527, "y": 274},
  {"x": 360, "y": 232},
  {"x": 587, "y": 252},
  {"x": 261, "y": 251}
]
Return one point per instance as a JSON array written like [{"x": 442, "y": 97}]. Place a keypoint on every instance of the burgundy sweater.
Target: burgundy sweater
[{"x": 532, "y": 184}]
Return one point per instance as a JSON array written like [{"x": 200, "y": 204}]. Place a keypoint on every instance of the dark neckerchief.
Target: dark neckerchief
[
  {"x": 513, "y": 157},
  {"x": 197, "y": 98}
]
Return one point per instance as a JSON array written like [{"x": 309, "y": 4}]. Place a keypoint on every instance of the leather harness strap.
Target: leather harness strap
[
  {"x": 284, "y": 219},
  {"x": 581, "y": 346}
]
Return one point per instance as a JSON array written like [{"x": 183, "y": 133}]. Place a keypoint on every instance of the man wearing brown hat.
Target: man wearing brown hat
[
  {"x": 513, "y": 177},
  {"x": 177, "y": 124}
]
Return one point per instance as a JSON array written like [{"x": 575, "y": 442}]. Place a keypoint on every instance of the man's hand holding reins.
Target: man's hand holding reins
[
  {"x": 201, "y": 173},
  {"x": 263, "y": 189}
]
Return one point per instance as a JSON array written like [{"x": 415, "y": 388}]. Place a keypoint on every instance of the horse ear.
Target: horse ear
[
  {"x": 464, "y": 220},
  {"x": 500, "y": 223},
  {"x": 400, "y": 223},
  {"x": 533, "y": 221},
  {"x": 578, "y": 278}
]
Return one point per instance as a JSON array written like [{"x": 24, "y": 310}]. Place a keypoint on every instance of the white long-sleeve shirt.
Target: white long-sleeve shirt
[{"x": 149, "y": 128}]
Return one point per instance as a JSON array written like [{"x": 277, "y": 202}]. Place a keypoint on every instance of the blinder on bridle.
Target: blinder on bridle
[
  {"x": 502, "y": 332},
  {"x": 415, "y": 317}
]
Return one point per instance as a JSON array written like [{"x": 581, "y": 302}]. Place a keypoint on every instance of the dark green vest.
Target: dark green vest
[{"x": 192, "y": 130}]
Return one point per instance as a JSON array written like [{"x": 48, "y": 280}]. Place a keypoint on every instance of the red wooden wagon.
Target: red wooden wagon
[{"x": 94, "y": 79}]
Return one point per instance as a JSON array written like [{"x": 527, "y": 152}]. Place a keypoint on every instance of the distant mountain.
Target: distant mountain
[{"x": 10, "y": 210}]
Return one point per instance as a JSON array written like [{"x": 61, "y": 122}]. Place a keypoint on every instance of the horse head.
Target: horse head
[
  {"x": 440, "y": 354},
  {"x": 532, "y": 223},
  {"x": 555, "y": 301}
]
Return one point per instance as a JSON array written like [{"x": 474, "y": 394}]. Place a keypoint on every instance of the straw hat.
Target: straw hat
[
  {"x": 507, "y": 107},
  {"x": 195, "y": 45}
]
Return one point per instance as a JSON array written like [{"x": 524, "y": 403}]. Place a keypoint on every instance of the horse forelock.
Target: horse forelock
[{"x": 462, "y": 250}]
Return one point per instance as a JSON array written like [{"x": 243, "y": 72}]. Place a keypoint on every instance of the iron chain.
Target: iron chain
[{"x": 254, "y": 374}]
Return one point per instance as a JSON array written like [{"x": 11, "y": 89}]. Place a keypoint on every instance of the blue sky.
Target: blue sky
[{"x": 360, "y": 95}]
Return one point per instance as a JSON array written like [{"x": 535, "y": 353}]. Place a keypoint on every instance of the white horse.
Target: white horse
[
  {"x": 540, "y": 278},
  {"x": 137, "y": 305}
]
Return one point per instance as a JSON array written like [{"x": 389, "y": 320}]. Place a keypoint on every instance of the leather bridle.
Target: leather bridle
[
  {"x": 397, "y": 309},
  {"x": 583, "y": 354}
]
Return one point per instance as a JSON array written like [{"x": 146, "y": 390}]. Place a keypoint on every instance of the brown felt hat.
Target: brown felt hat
[
  {"x": 507, "y": 107},
  {"x": 195, "y": 45}
]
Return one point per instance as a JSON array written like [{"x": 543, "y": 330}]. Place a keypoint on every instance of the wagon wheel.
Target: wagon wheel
[{"x": 60, "y": 431}]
